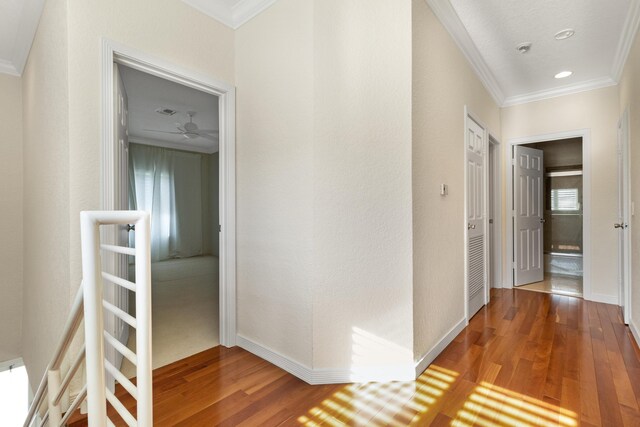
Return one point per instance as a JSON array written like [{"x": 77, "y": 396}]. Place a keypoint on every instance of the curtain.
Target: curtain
[{"x": 168, "y": 184}]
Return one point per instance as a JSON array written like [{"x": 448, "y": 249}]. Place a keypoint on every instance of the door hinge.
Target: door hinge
[{"x": 219, "y": 228}]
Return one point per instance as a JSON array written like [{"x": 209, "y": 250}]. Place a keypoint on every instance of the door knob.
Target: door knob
[
  {"x": 542, "y": 220},
  {"x": 621, "y": 225},
  {"x": 471, "y": 227}
]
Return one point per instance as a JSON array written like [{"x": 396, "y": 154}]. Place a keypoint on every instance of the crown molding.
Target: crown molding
[
  {"x": 27, "y": 26},
  {"x": 450, "y": 20},
  {"x": 560, "y": 91},
  {"x": 627, "y": 37},
  {"x": 233, "y": 17}
]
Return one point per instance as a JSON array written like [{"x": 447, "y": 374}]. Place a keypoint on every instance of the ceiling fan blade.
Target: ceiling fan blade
[
  {"x": 162, "y": 131},
  {"x": 205, "y": 136}
]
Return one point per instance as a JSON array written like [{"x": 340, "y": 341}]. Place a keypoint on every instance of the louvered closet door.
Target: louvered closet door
[{"x": 476, "y": 274}]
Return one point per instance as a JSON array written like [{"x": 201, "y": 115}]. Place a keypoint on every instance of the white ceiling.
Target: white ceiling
[
  {"x": 232, "y": 13},
  {"x": 147, "y": 93},
  {"x": 488, "y": 32},
  {"x": 18, "y": 24}
]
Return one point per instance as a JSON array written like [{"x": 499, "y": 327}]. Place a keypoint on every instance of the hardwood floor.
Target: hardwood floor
[
  {"x": 557, "y": 284},
  {"x": 528, "y": 359}
]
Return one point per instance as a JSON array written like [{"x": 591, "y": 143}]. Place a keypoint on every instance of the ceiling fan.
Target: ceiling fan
[{"x": 190, "y": 130}]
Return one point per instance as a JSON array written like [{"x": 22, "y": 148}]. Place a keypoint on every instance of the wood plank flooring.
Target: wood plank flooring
[{"x": 527, "y": 359}]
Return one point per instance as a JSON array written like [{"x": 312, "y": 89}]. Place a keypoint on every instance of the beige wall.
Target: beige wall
[
  {"x": 443, "y": 83},
  {"x": 11, "y": 225},
  {"x": 324, "y": 157},
  {"x": 630, "y": 98},
  {"x": 597, "y": 110},
  {"x": 46, "y": 190},
  {"x": 274, "y": 168},
  {"x": 362, "y": 184}
]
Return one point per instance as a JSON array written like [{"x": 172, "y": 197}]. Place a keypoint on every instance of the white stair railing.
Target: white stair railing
[{"x": 88, "y": 306}]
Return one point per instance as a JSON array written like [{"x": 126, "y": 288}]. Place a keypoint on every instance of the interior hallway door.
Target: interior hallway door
[
  {"x": 528, "y": 216},
  {"x": 476, "y": 145}
]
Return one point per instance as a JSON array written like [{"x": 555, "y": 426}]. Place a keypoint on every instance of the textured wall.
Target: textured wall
[
  {"x": 274, "y": 60},
  {"x": 443, "y": 83},
  {"x": 362, "y": 312},
  {"x": 324, "y": 203},
  {"x": 597, "y": 110},
  {"x": 46, "y": 190},
  {"x": 11, "y": 225}
]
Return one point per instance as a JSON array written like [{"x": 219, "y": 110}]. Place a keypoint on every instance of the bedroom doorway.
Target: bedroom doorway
[
  {"x": 170, "y": 135},
  {"x": 548, "y": 199},
  {"x": 192, "y": 149}
]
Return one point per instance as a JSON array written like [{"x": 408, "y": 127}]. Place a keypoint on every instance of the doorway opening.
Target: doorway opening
[
  {"x": 548, "y": 216},
  {"x": 171, "y": 138},
  {"x": 200, "y": 115}
]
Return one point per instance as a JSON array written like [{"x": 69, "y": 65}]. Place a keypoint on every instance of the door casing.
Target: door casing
[
  {"x": 585, "y": 134},
  {"x": 113, "y": 52},
  {"x": 624, "y": 188}
]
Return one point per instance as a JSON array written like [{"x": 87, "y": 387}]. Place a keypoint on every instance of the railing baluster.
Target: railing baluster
[
  {"x": 89, "y": 302},
  {"x": 120, "y": 409},
  {"x": 67, "y": 379},
  {"x": 93, "y": 319},
  {"x": 55, "y": 413},
  {"x": 121, "y": 348},
  {"x": 74, "y": 405}
]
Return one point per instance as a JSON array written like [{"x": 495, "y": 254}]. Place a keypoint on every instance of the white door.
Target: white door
[
  {"x": 528, "y": 215},
  {"x": 622, "y": 226},
  {"x": 475, "y": 204}
]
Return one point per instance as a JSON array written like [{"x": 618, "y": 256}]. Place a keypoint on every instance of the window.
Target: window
[
  {"x": 565, "y": 199},
  {"x": 14, "y": 397}
]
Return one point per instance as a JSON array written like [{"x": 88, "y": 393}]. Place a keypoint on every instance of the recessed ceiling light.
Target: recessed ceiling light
[
  {"x": 565, "y": 34},
  {"x": 563, "y": 74},
  {"x": 524, "y": 47}
]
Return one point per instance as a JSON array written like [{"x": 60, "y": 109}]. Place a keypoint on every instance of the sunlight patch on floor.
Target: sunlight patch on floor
[
  {"x": 394, "y": 404},
  {"x": 491, "y": 406}
]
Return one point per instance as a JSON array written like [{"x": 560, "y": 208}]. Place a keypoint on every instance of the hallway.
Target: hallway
[{"x": 529, "y": 358}]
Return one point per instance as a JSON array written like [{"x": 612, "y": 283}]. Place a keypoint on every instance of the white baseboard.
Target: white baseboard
[
  {"x": 607, "y": 299},
  {"x": 329, "y": 376},
  {"x": 430, "y": 356},
  {"x": 283, "y": 362},
  {"x": 634, "y": 331}
]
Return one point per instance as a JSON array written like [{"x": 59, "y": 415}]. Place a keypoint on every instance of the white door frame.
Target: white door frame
[
  {"x": 488, "y": 137},
  {"x": 585, "y": 134},
  {"x": 114, "y": 52},
  {"x": 497, "y": 210},
  {"x": 628, "y": 259}
]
